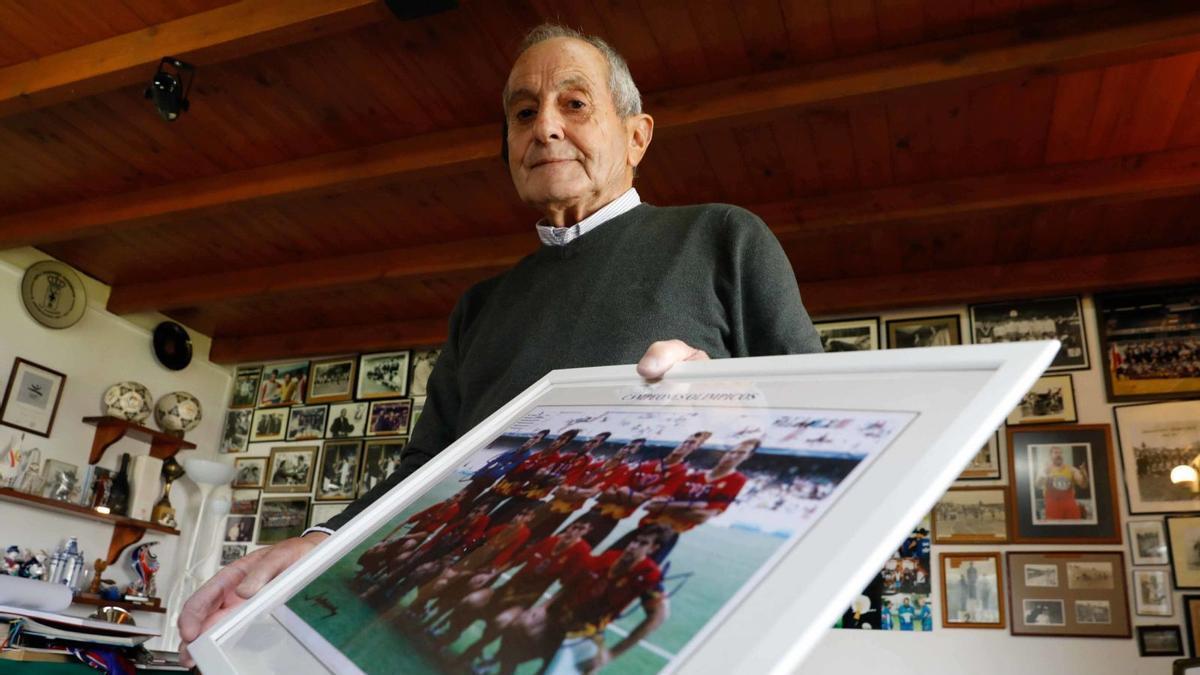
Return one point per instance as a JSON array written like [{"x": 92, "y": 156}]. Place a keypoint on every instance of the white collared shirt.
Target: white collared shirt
[{"x": 561, "y": 236}]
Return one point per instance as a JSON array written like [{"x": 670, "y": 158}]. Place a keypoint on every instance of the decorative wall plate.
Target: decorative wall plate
[{"x": 53, "y": 294}]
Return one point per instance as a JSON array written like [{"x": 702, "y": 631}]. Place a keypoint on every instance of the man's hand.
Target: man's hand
[
  {"x": 234, "y": 584},
  {"x": 659, "y": 358}
]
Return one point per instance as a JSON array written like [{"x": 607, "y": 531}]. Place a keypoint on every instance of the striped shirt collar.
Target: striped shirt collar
[{"x": 561, "y": 236}]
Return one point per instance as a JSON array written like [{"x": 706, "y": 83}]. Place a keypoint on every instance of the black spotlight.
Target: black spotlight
[{"x": 168, "y": 90}]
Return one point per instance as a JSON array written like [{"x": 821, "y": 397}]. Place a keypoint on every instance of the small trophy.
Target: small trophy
[{"x": 164, "y": 513}]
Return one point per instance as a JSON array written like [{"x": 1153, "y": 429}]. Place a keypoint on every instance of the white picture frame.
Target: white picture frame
[{"x": 952, "y": 398}]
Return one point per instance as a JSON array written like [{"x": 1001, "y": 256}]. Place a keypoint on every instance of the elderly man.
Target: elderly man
[{"x": 613, "y": 277}]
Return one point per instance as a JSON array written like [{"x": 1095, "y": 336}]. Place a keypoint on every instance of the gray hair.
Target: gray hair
[{"x": 626, "y": 97}]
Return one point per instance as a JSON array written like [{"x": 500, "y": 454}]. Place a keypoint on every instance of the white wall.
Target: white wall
[
  {"x": 100, "y": 350},
  {"x": 956, "y": 651}
]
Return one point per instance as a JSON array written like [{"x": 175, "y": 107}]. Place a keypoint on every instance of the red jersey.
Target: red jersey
[
  {"x": 696, "y": 488},
  {"x": 541, "y": 562},
  {"x": 593, "y": 596},
  {"x": 460, "y": 534},
  {"x": 501, "y": 543},
  {"x": 651, "y": 475},
  {"x": 550, "y": 471},
  {"x": 435, "y": 516},
  {"x": 584, "y": 472}
]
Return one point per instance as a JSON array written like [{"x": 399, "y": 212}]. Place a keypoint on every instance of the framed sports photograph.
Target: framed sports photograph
[
  {"x": 1068, "y": 593},
  {"x": 1191, "y": 612},
  {"x": 849, "y": 335},
  {"x": 1041, "y": 319},
  {"x": 332, "y": 380},
  {"x": 245, "y": 387},
  {"x": 418, "y": 405},
  {"x": 283, "y": 384},
  {"x": 236, "y": 433},
  {"x": 1159, "y": 641},
  {"x": 347, "y": 420},
  {"x": 900, "y": 597},
  {"x": 986, "y": 464},
  {"x": 321, "y": 513},
  {"x": 927, "y": 331},
  {"x": 249, "y": 472},
  {"x": 389, "y": 418},
  {"x": 231, "y": 553},
  {"x": 31, "y": 397},
  {"x": 269, "y": 424},
  {"x": 1183, "y": 545},
  {"x": 306, "y": 422},
  {"x": 1150, "y": 339},
  {"x": 1148, "y": 542},
  {"x": 422, "y": 367},
  {"x": 338, "y": 477},
  {"x": 382, "y": 375},
  {"x": 972, "y": 590},
  {"x": 282, "y": 518},
  {"x": 291, "y": 469},
  {"x": 1063, "y": 485},
  {"x": 1154, "y": 439},
  {"x": 971, "y": 516},
  {"x": 380, "y": 459},
  {"x": 239, "y": 528},
  {"x": 1152, "y": 592},
  {"x": 245, "y": 501},
  {"x": 1051, "y": 400}
]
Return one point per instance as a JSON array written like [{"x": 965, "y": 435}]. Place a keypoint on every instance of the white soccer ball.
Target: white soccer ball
[
  {"x": 128, "y": 401},
  {"x": 178, "y": 412}
]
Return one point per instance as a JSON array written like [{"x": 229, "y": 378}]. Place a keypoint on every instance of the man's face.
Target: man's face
[
  {"x": 575, "y": 532},
  {"x": 640, "y": 547},
  {"x": 736, "y": 455},
  {"x": 688, "y": 446},
  {"x": 1056, "y": 457},
  {"x": 567, "y": 145}
]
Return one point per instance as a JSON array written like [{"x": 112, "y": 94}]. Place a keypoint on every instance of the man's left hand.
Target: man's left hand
[{"x": 661, "y": 355}]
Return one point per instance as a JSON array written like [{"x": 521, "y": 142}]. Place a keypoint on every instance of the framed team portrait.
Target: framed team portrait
[
  {"x": 347, "y": 420},
  {"x": 1050, "y": 401},
  {"x": 1159, "y": 641},
  {"x": 1148, "y": 542},
  {"x": 268, "y": 424},
  {"x": 389, "y": 418},
  {"x": 283, "y": 384},
  {"x": 1068, "y": 594},
  {"x": 849, "y": 335},
  {"x": 1154, "y": 439},
  {"x": 928, "y": 331},
  {"x": 1183, "y": 546},
  {"x": 1150, "y": 339},
  {"x": 290, "y": 469},
  {"x": 236, "y": 432},
  {"x": 1041, "y": 319},
  {"x": 986, "y": 464},
  {"x": 338, "y": 476},
  {"x": 1152, "y": 592},
  {"x": 382, "y": 375},
  {"x": 322, "y": 512},
  {"x": 971, "y": 516},
  {"x": 249, "y": 472},
  {"x": 306, "y": 422},
  {"x": 245, "y": 387},
  {"x": 244, "y": 501},
  {"x": 972, "y": 590},
  {"x": 1063, "y": 485},
  {"x": 31, "y": 398},
  {"x": 332, "y": 380},
  {"x": 282, "y": 518}
]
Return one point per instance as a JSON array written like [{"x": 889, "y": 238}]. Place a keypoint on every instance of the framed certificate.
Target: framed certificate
[{"x": 598, "y": 520}]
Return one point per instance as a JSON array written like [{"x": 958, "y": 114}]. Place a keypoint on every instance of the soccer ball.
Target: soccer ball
[
  {"x": 177, "y": 413},
  {"x": 128, "y": 401}
]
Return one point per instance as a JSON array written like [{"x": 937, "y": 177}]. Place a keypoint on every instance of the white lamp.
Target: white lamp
[{"x": 1185, "y": 473}]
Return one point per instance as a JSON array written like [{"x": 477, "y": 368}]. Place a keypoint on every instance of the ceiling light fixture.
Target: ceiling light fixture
[{"x": 168, "y": 90}]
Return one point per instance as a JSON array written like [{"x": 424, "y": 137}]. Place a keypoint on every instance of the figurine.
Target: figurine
[
  {"x": 102, "y": 491},
  {"x": 100, "y": 565},
  {"x": 145, "y": 566},
  {"x": 10, "y": 461},
  {"x": 164, "y": 513},
  {"x": 29, "y": 476},
  {"x": 35, "y": 566},
  {"x": 64, "y": 487},
  {"x": 12, "y": 560}
]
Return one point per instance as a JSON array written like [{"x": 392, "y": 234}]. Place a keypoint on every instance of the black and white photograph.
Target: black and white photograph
[
  {"x": 389, "y": 418},
  {"x": 971, "y": 516},
  {"x": 382, "y": 375},
  {"x": 269, "y": 424},
  {"x": 928, "y": 331},
  {"x": 236, "y": 433},
  {"x": 1148, "y": 542},
  {"x": 422, "y": 366},
  {"x": 338, "y": 476},
  {"x": 249, "y": 472},
  {"x": 1183, "y": 545},
  {"x": 418, "y": 405},
  {"x": 282, "y": 518},
  {"x": 291, "y": 469},
  {"x": 307, "y": 422},
  {"x": 239, "y": 528},
  {"x": 322, "y": 512},
  {"x": 849, "y": 335},
  {"x": 244, "y": 501},
  {"x": 985, "y": 465},
  {"x": 1151, "y": 343},
  {"x": 245, "y": 387},
  {"x": 283, "y": 384},
  {"x": 380, "y": 459},
  {"x": 1050, "y": 400},
  {"x": 1043, "y": 612},
  {"x": 1041, "y": 576},
  {"x": 1042, "y": 319},
  {"x": 1089, "y": 575},
  {"x": 1093, "y": 611},
  {"x": 1152, "y": 592},
  {"x": 347, "y": 420},
  {"x": 1160, "y": 641},
  {"x": 331, "y": 380},
  {"x": 231, "y": 553},
  {"x": 972, "y": 590},
  {"x": 1155, "y": 438},
  {"x": 1091, "y": 594}
]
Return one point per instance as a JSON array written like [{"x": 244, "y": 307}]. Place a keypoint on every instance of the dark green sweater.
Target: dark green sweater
[{"x": 711, "y": 275}]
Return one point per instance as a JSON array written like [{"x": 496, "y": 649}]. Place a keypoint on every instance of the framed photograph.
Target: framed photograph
[
  {"x": 236, "y": 434},
  {"x": 307, "y": 422},
  {"x": 849, "y": 335},
  {"x": 1051, "y": 400},
  {"x": 1148, "y": 542},
  {"x": 972, "y": 591},
  {"x": 347, "y": 420},
  {"x": 389, "y": 418},
  {"x": 926, "y": 331},
  {"x": 269, "y": 424},
  {"x": 1155, "y": 438},
  {"x": 249, "y": 472},
  {"x": 282, "y": 518},
  {"x": 382, "y": 375},
  {"x": 31, "y": 397},
  {"x": 338, "y": 476},
  {"x": 422, "y": 366},
  {"x": 971, "y": 516},
  {"x": 63, "y": 481},
  {"x": 1063, "y": 485},
  {"x": 986, "y": 464},
  {"x": 418, "y": 404},
  {"x": 1152, "y": 593},
  {"x": 1041, "y": 319},
  {"x": 321, "y": 513},
  {"x": 283, "y": 384},
  {"x": 1191, "y": 612},
  {"x": 1159, "y": 641},
  {"x": 231, "y": 553},
  {"x": 1150, "y": 339},
  {"x": 239, "y": 528},
  {"x": 95, "y": 475},
  {"x": 245, "y": 387},
  {"x": 331, "y": 380},
  {"x": 380, "y": 459},
  {"x": 245, "y": 501},
  {"x": 1068, "y": 593},
  {"x": 1183, "y": 547},
  {"x": 291, "y": 469}
]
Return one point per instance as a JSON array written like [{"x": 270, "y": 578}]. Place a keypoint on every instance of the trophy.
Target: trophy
[{"x": 164, "y": 513}]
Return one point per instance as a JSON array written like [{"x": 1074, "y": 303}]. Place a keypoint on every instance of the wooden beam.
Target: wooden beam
[
  {"x": 220, "y": 34},
  {"x": 1141, "y": 176},
  {"x": 1144, "y": 30},
  {"x": 334, "y": 340}
]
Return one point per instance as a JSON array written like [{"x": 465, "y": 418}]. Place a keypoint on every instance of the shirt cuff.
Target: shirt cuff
[{"x": 317, "y": 528}]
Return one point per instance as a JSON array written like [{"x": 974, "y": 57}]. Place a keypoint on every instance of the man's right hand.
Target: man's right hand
[{"x": 236, "y": 583}]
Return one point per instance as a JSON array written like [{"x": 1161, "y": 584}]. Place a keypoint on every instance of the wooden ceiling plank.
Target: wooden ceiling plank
[
  {"x": 1074, "y": 106},
  {"x": 336, "y": 340},
  {"x": 220, "y": 34},
  {"x": 809, "y": 28}
]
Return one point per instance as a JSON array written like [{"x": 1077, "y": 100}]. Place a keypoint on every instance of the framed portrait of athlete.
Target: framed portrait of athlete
[{"x": 601, "y": 523}]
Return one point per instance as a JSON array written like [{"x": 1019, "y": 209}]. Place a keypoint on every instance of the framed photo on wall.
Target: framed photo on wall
[
  {"x": 1154, "y": 439},
  {"x": 1068, "y": 593},
  {"x": 986, "y": 464},
  {"x": 321, "y": 513},
  {"x": 422, "y": 365},
  {"x": 1159, "y": 641},
  {"x": 972, "y": 590},
  {"x": 31, "y": 398},
  {"x": 239, "y": 528},
  {"x": 245, "y": 387},
  {"x": 282, "y": 518},
  {"x": 306, "y": 422},
  {"x": 389, "y": 418},
  {"x": 236, "y": 433},
  {"x": 1148, "y": 542},
  {"x": 382, "y": 375},
  {"x": 1191, "y": 612},
  {"x": 380, "y": 459},
  {"x": 245, "y": 501},
  {"x": 926, "y": 331},
  {"x": 1150, "y": 339},
  {"x": 283, "y": 384},
  {"x": 249, "y": 472},
  {"x": 1063, "y": 485},
  {"x": 331, "y": 380},
  {"x": 1152, "y": 592},
  {"x": 269, "y": 424},
  {"x": 1040, "y": 319},
  {"x": 291, "y": 469},
  {"x": 338, "y": 477},
  {"x": 347, "y": 420},
  {"x": 1050, "y": 401},
  {"x": 849, "y": 335},
  {"x": 976, "y": 515},
  {"x": 1183, "y": 544}
]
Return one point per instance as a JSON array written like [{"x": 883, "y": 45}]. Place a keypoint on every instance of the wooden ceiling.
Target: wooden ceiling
[{"x": 336, "y": 184}]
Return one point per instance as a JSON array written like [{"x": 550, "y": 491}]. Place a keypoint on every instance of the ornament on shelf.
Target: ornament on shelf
[
  {"x": 129, "y": 401},
  {"x": 10, "y": 461},
  {"x": 12, "y": 560},
  {"x": 29, "y": 475},
  {"x": 177, "y": 413},
  {"x": 145, "y": 566},
  {"x": 164, "y": 513},
  {"x": 118, "y": 492}
]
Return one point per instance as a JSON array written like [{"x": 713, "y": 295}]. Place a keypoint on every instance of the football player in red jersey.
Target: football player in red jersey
[{"x": 584, "y": 480}]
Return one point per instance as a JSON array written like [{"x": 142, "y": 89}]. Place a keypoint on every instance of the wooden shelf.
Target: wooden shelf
[
  {"x": 90, "y": 599},
  {"x": 109, "y": 430}
]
